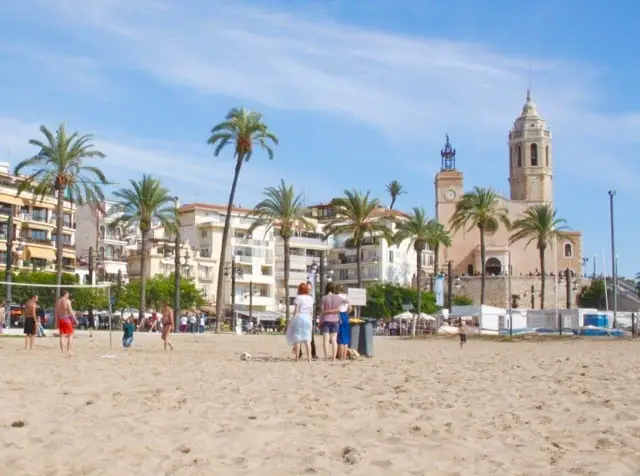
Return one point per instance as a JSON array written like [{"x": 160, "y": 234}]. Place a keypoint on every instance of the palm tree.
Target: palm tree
[
  {"x": 359, "y": 216},
  {"x": 540, "y": 223},
  {"x": 141, "y": 205},
  {"x": 58, "y": 169},
  {"x": 437, "y": 236},
  {"x": 415, "y": 229},
  {"x": 394, "y": 189},
  {"x": 281, "y": 209},
  {"x": 242, "y": 130},
  {"x": 480, "y": 209}
]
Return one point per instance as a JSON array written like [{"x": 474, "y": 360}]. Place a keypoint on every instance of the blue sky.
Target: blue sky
[{"x": 359, "y": 92}]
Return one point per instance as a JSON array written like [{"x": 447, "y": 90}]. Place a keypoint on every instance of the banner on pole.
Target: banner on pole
[{"x": 439, "y": 290}]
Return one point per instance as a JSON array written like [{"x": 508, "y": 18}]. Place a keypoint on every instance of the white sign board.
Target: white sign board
[{"x": 357, "y": 296}]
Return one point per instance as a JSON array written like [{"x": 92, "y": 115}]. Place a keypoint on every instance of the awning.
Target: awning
[
  {"x": 11, "y": 200},
  {"x": 267, "y": 316},
  {"x": 37, "y": 203},
  {"x": 41, "y": 253},
  {"x": 68, "y": 254},
  {"x": 38, "y": 225}
]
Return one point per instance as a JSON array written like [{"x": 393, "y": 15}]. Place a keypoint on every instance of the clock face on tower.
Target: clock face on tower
[{"x": 450, "y": 194}]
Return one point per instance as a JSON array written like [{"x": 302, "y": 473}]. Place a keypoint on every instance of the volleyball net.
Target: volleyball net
[{"x": 93, "y": 304}]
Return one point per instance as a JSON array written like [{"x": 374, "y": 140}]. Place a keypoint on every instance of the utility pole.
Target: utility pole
[
  {"x": 9, "y": 264},
  {"x": 250, "y": 301},
  {"x": 614, "y": 271},
  {"x": 92, "y": 282},
  {"x": 450, "y": 286},
  {"x": 233, "y": 288},
  {"x": 533, "y": 296},
  {"x": 567, "y": 275},
  {"x": 176, "y": 273}
]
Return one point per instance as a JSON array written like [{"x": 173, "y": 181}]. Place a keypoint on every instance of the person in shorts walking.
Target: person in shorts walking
[{"x": 30, "y": 322}]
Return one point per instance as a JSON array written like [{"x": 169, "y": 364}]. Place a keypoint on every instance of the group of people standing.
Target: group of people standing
[
  {"x": 65, "y": 320},
  {"x": 333, "y": 323}
]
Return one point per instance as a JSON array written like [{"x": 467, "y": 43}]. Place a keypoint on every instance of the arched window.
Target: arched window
[
  {"x": 534, "y": 155},
  {"x": 118, "y": 234},
  {"x": 568, "y": 250},
  {"x": 102, "y": 232},
  {"x": 493, "y": 267},
  {"x": 546, "y": 156},
  {"x": 109, "y": 252},
  {"x": 470, "y": 270},
  {"x": 102, "y": 252},
  {"x": 519, "y": 156},
  {"x": 117, "y": 253}
]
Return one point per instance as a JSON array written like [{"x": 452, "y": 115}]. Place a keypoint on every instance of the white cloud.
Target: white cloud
[{"x": 410, "y": 89}]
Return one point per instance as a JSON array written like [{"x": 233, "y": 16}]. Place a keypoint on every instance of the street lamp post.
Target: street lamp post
[
  {"x": 176, "y": 272},
  {"x": 313, "y": 280},
  {"x": 614, "y": 271}
]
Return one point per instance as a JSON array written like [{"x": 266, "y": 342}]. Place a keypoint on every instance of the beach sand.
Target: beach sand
[{"x": 417, "y": 408}]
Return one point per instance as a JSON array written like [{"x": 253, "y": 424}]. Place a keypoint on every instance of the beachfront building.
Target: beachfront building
[
  {"x": 109, "y": 245},
  {"x": 250, "y": 256},
  {"x": 34, "y": 227},
  {"x": 306, "y": 248},
  {"x": 530, "y": 165},
  {"x": 381, "y": 262}
]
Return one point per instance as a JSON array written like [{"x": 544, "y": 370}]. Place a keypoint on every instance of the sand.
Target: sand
[{"x": 417, "y": 408}]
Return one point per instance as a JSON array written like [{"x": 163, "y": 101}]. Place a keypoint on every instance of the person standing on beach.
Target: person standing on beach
[
  {"x": 301, "y": 325},
  {"x": 30, "y": 322},
  {"x": 167, "y": 325},
  {"x": 330, "y": 321},
  {"x": 462, "y": 330},
  {"x": 344, "y": 328},
  {"x": 127, "y": 332},
  {"x": 65, "y": 319}
]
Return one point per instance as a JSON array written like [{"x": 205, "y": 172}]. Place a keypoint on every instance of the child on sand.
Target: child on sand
[
  {"x": 462, "y": 330},
  {"x": 127, "y": 332}
]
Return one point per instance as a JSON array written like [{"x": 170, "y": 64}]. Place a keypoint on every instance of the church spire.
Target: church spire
[{"x": 448, "y": 155}]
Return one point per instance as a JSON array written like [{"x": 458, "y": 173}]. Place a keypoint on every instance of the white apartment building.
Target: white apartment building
[
  {"x": 380, "y": 261},
  {"x": 34, "y": 227},
  {"x": 109, "y": 245},
  {"x": 306, "y": 248},
  {"x": 252, "y": 256}
]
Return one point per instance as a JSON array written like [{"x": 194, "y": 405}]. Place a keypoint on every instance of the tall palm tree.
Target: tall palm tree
[
  {"x": 540, "y": 223},
  {"x": 415, "y": 229},
  {"x": 394, "y": 189},
  {"x": 437, "y": 236},
  {"x": 281, "y": 209},
  {"x": 242, "y": 130},
  {"x": 59, "y": 169},
  {"x": 141, "y": 205},
  {"x": 359, "y": 216},
  {"x": 480, "y": 209}
]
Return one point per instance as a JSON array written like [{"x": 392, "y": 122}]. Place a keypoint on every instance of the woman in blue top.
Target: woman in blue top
[{"x": 344, "y": 329}]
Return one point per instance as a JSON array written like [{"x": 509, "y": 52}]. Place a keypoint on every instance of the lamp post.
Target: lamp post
[
  {"x": 614, "y": 271},
  {"x": 450, "y": 286},
  {"x": 233, "y": 271},
  {"x": 509, "y": 294},
  {"x": 9, "y": 264},
  {"x": 312, "y": 279}
]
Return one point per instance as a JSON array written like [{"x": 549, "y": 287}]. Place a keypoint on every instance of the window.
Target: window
[
  {"x": 38, "y": 235},
  {"x": 204, "y": 252},
  {"x": 390, "y": 256},
  {"x": 546, "y": 156},
  {"x": 519, "y": 156},
  {"x": 568, "y": 250},
  {"x": 102, "y": 232},
  {"x": 203, "y": 234},
  {"x": 102, "y": 252},
  {"x": 109, "y": 252},
  {"x": 534, "y": 155}
]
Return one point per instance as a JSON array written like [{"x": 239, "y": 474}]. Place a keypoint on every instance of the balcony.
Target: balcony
[
  {"x": 69, "y": 246},
  {"x": 36, "y": 241},
  {"x": 251, "y": 242}
]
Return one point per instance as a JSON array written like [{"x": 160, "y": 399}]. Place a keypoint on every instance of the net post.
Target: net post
[{"x": 110, "y": 318}]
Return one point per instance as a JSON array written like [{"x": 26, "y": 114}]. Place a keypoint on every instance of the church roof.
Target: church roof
[{"x": 529, "y": 110}]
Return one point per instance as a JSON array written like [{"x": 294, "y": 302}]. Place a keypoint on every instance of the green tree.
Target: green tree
[
  {"x": 145, "y": 202},
  {"x": 161, "y": 289},
  {"x": 480, "y": 209},
  {"x": 281, "y": 209},
  {"x": 394, "y": 189},
  {"x": 241, "y": 130},
  {"x": 358, "y": 215},
  {"x": 540, "y": 224},
  {"x": 387, "y": 300},
  {"x": 59, "y": 169},
  {"x": 89, "y": 298},
  {"x": 594, "y": 295},
  {"x": 46, "y": 295},
  {"x": 437, "y": 236}
]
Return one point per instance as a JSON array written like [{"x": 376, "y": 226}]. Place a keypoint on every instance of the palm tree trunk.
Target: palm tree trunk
[
  {"x": 436, "y": 266},
  {"x": 419, "y": 283},
  {"x": 359, "y": 264},
  {"x": 483, "y": 259},
  {"x": 287, "y": 266},
  {"x": 223, "y": 246},
  {"x": 59, "y": 241},
  {"x": 393, "y": 202},
  {"x": 143, "y": 276},
  {"x": 543, "y": 271}
]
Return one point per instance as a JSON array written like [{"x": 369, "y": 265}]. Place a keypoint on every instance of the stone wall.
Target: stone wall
[{"x": 497, "y": 290}]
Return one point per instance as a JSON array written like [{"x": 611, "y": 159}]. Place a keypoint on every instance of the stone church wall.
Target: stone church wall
[{"x": 497, "y": 290}]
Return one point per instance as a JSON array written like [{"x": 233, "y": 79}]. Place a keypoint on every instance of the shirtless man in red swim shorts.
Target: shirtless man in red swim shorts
[{"x": 65, "y": 319}]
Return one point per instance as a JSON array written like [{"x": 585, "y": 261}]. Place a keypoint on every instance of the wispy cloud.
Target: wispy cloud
[{"x": 410, "y": 89}]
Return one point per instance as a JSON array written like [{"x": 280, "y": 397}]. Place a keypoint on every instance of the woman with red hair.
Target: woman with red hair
[{"x": 301, "y": 326}]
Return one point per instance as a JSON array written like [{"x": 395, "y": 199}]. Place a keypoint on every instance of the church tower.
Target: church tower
[{"x": 530, "y": 157}]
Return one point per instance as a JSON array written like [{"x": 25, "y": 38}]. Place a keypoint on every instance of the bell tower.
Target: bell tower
[{"x": 530, "y": 157}]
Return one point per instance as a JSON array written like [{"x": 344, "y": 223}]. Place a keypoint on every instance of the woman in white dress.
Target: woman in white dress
[{"x": 301, "y": 326}]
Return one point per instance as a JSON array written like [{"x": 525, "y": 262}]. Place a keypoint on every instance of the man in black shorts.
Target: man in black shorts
[{"x": 30, "y": 322}]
